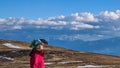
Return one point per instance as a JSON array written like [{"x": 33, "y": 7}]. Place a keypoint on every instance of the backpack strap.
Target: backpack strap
[{"x": 30, "y": 54}]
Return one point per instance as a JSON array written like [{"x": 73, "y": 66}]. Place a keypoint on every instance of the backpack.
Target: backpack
[{"x": 35, "y": 43}]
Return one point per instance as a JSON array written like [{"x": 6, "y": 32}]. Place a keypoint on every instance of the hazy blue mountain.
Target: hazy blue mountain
[
  {"x": 76, "y": 40},
  {"x": 109, "y": 46}
]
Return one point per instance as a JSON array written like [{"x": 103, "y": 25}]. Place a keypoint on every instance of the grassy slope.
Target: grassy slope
[{"x": 53, "y": 55}]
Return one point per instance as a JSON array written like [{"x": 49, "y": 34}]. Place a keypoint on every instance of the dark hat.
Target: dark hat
[{"x": 44, "y": 41}]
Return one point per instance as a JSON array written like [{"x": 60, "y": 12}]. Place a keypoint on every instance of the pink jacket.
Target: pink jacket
[{"x": 37, "y": 59}]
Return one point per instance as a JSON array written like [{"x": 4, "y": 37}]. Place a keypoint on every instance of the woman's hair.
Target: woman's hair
[{"x": 44, "y": 41}]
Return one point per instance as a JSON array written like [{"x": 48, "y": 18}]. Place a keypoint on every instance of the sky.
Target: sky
[{"x": 33, "y": 9}]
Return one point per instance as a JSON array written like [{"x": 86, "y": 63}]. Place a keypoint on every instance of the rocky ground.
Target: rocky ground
[{"x": 15, "y": 54}]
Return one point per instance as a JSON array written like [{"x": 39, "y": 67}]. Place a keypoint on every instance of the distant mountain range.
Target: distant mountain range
[
  {"x": 109, "y": 46},
  {"x": 83, "y": 40}
]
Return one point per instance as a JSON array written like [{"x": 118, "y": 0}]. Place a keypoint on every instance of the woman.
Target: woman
[{"x": 37, "y": 55}]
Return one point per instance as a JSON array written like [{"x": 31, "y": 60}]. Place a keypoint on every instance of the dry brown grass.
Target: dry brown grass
[{"x": 54, "y": 55}]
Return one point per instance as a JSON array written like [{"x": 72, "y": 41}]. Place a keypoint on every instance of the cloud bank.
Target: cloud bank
[
  {"x": 75, "y": 21},
  {"x": 103, "y": 24}
]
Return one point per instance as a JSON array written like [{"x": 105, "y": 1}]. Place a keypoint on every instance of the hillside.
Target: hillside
[
  {"x": 14, "y": 54},
  {"x": 80, "y": 40}
]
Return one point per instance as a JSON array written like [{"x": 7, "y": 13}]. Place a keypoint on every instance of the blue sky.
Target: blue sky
[{"x": 34, "y": 9}]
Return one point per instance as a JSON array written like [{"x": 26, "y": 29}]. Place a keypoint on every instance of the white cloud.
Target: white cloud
[
  {"x": 57, "y": 28},
  {"x": 89, "y": 17},
  {"x": 42, "y": 27},
  {"x": 75, "y": 21},
  {"x": 17, "y": 27},
  {"x": 84, "y": 37},
  {"x": 110, "y": 16},
  {"x": 21, "y": 20},
  {"x": 53, "y": 23},
  {"x": 2, "y": 20},
  {"x": 82, "y": 26}
]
